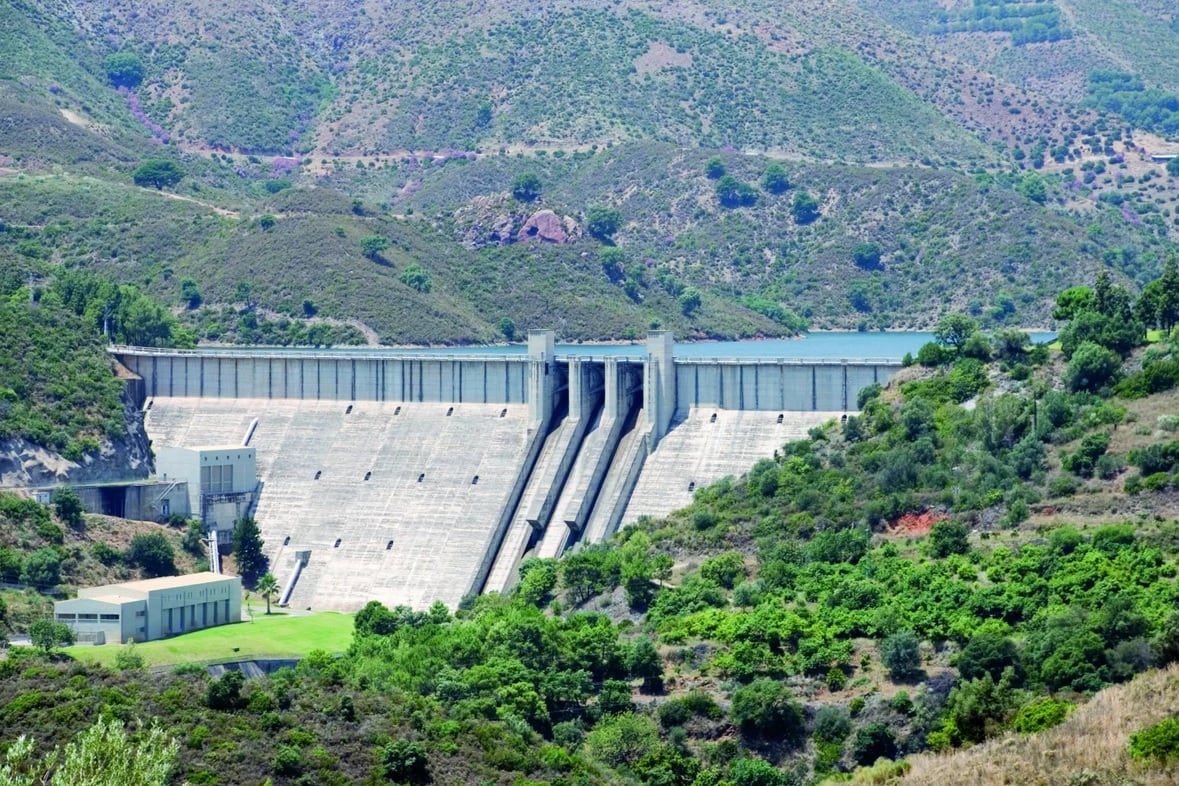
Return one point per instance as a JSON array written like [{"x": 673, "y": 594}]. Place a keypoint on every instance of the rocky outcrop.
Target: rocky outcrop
[
  {"x": 491, "y": 220},
  {"x": 544, "y": 225},
  {"x": 26, "y": 464}
]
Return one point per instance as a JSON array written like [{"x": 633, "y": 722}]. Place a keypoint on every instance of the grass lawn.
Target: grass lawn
[{"x": 276, "y": 636}]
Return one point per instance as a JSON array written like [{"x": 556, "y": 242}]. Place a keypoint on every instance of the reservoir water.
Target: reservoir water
[
  {"x": 827, "y": 346},
  {"x": 830, "y": 346}
]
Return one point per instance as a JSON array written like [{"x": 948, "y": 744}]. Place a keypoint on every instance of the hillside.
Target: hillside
[
  {"x": 988, "y": 152},
  {"x": 981, "y": 564}
]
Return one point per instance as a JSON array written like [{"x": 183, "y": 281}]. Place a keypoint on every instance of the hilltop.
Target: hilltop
[{"x": 869, "y": 155}]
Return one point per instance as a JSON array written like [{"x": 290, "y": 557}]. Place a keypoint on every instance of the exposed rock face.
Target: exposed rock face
[
  {"x": 497, "y": 220},
  {"x": 25, "y": 464},
  {"x": 544, "y": 225}
]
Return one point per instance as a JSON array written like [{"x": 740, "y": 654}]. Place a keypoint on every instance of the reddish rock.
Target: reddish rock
[{"x": 544, "y": 225}]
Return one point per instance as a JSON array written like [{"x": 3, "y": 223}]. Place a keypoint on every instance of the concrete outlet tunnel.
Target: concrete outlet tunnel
[{"x": 411, "y": 477}]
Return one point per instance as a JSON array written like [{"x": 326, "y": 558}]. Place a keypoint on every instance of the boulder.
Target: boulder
[{"x": 544, "y": 225}]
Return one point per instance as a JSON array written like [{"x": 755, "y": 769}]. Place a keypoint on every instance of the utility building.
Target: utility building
[
  {"x": 222, "y": 481},
  {"x": 152, "y": 608}
]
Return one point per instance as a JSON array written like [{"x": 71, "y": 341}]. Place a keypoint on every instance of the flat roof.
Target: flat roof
[
  {"x": 112, "y": 598},
  {"x": 172, "y": 582}
]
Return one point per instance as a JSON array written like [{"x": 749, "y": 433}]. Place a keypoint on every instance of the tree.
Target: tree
[
  {"x": 247, "y": 549},
  {"x": 901, "y": 655},
  {"x": 158, "y": 172},
  {"x": 225, "y": 693},
  {"x": 374, "y": 246},
  {"x": 954, "y": 330},
  {"x": 642, "y": 660},
  {"x": 102, "y": 755},
  {"x": 405, "y": 761},
  {"x": 267, "y": 588},
  {"x": 1173, "y": 167},
  {"x": 764, "y": 707},
  {"x": 948, "y": 537},
  {"x": 987, "y": 653},
  {"x": 508, "y": 328},
  {"x": 124, "y": 69},
  {"x": 774, "y": 179},
  {"x": 190, "y": 293},
  {"x": 47, "y": 635},
  {"x": 68, "y": 506},
  {"x": 42, "y": 568},
  {"x": 526, "y": 187},
  {"x": 873, "y": 742},
  {"x": 689, "y": 301},
  {"x": 153, "y": 553},
  {"x": 623, "y": 739},
  {"x": 867, "y": 255},
  {"x": 1091, "y": 368},
  {"x": 805, "y": 208},
  {"x": 416, "y": 277},
  {"x": 1073, "y": 301},
  {"x": 714, "y": 168},
  {"x": 735, "y": 193},
  {"x": 602, "y": 222}
]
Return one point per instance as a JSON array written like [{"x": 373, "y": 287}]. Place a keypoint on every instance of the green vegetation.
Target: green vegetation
[
  {"x": 1027, "y": 22},
  {"x": 277, "y": 635},
  {"x": 1127, "y": 96}
]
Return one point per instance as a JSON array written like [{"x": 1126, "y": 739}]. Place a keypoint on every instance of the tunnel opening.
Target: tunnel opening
[{"x": 114, "y": 501}]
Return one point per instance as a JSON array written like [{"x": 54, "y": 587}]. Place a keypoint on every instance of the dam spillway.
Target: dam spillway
[{"x": 410, "y": 477}]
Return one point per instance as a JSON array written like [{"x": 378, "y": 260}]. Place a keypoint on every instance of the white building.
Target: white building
[
  {"x": 152, "y": 608},
  {"x": 222, "y": 480}
]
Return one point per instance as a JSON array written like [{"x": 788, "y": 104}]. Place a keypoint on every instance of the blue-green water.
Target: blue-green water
[{"x": 832, "y": 346}]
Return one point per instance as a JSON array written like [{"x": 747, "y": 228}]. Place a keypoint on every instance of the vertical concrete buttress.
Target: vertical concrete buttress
[
  {"x": 659, "y": 383},
  {"x": 542, "y": 376}
]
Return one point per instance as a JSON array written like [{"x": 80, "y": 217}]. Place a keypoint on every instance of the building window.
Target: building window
[
  {"x": 109, "y": 617},
  {"x": 140, "y": 613},
  {"x": 87, "y": 618}
]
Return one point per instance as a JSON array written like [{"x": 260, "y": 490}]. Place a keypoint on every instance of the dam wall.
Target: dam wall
[
  {"x": 335, "y": 375},
  {"x": 410, "y": 477}
]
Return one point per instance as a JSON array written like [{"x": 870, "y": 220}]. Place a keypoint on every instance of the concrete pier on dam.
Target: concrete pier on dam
[{"x": 415, "y": 476}]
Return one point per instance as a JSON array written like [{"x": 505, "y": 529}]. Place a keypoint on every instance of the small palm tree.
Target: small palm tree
[{"x": 267, "y": 588}]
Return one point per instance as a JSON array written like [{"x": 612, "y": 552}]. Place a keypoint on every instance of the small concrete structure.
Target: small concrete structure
[
  {"x": 143, "y": 500},
  {"x": 221, "y": 480},
  {"x": 152, "y": 608}
]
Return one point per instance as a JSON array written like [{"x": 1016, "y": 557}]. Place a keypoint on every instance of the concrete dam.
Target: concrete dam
[{"x": 409, "y": 477}]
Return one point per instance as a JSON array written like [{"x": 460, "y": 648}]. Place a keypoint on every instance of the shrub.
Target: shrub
[
  {"x": 404, "y": 761},
  {"x": 415, "y": 277},
  {"x": 948, "y": 537},
  {"x": 602, "y": 222},
  {"x": 42, "y": 568},
  {"x": 1160, "y": 741},
  {"x": 724, "y": 569},
  {"x": 526, "y": 186},
  {"x": 68, "y": 506},
  {"x": 288, "y": 761},
  {"x": 1091, "y": 368},
  {"x": 623, "y": 739},
  {"x": 124, "y": 69},
  {"x": 873, "y": 742},
  {"x": 714, "y": 168},
  {"x": 901, "y": 655},
  {"x": 764, "y": 707},
  {"x": 1040, "y": 714},
  {"x": 805, "y": 208},
  {"x": 152, "y": 552},
  {"x": 832, "y": 724},
  {"x": 225, "y": 694},
  {"x": 752, "y": 771},
  {"x": 867, "y": 256},
  {"x": 774, "y": 180}
]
